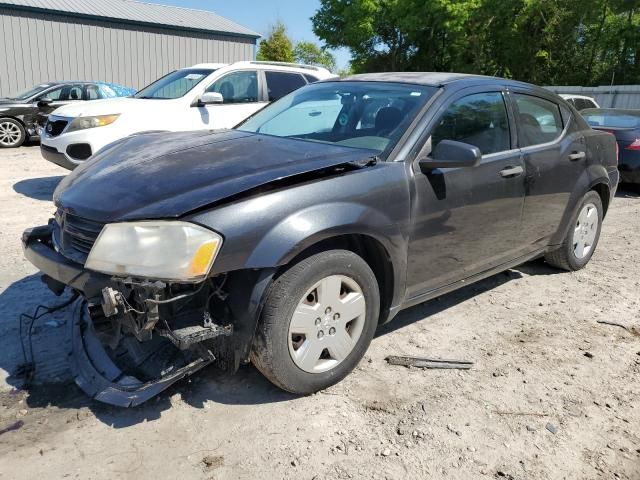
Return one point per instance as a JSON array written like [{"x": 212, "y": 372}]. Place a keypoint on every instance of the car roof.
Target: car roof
[
  {"x": 571, "y": 95},
  {"x": 73, "y": 82},
  {"x": 433, "y": 79},
  {"x": 213, "y": 66}
]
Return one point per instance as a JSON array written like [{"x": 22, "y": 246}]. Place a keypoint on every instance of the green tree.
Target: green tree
[
  {"x": 276, "y": 47},
  {"x": 571, "y": 42},
  {"x": 312, "y": 54}
]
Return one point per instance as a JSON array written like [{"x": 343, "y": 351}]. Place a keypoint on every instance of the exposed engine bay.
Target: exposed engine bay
[{"x": 144, "y": 336}]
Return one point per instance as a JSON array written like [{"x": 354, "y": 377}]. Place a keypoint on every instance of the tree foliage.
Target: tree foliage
[
  {"x": 576, "y": 42},
  {"x": 312, "y": 54},
  {"x": 276, "y": 47}
]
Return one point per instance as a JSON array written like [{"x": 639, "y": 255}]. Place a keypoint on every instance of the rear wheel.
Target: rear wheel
[
  {"x": 12, "y": 133},
  {"x": 317, "y": 323},
  {"x": 582, "y": 237}
]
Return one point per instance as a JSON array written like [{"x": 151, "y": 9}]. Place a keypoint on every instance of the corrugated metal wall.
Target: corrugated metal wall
[
  {"x": 616, "y": 96},
  {"x": 36, "y": 48}
]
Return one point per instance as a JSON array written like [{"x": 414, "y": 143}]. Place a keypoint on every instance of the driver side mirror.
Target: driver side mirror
[
  {"x": 44, "y": 102},
  {"x": 451, "y": 154},
  {"x": 209, "y": 98}
]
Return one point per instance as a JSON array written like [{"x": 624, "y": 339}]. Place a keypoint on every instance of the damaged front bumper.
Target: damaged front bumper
[{"x": 132, "y": 339}]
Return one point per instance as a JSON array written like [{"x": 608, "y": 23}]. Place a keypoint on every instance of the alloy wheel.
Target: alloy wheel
[
  {"x": 585, "y": 231},
  {"x": 326, "y": 324},
  {"x": 9, "y": 134}
]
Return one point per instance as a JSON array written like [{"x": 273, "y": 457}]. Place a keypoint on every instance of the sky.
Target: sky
[{"x": 259, "y": 15}]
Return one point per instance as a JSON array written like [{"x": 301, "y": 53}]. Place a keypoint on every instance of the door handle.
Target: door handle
[
  {"x": 511, "y": 172},
  {"x": 577, "y": 156}
]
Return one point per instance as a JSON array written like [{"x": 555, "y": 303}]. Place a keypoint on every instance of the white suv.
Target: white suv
[
  {"x": 580, "y": 101},
  {"x": 202, "y": 97}
]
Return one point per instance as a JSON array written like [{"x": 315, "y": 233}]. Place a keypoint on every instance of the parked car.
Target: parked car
[
  {"x": 580, "y": 102},
  {"x": 24, "y": 114},
  {"x": 289, "y": 240},
  {"x": 202, "y": 97},
  {"x": 625, "y": 126}
]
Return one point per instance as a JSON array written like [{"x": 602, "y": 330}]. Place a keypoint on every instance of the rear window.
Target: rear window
[
  {"x": 280, "y": 84},
  {"x": 583, "y": 104},
  {"x": 619, "y": 119},
  {"x": 539, "y": 120}
]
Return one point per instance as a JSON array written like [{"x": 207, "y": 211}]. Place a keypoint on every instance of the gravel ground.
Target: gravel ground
[{"x": 552, "y": 395}]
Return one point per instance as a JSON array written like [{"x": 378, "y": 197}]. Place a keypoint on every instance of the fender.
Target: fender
[{"x": 269, "y": 230}]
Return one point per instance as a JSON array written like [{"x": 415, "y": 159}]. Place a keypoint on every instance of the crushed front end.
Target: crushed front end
[{"x": 134, "y": 336}]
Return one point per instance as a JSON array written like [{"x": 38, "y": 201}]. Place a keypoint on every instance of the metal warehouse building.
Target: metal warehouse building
[{"x": 119, "y": 41}]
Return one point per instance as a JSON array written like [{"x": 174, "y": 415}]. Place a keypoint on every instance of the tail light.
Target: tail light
[{"x": 634, "y": 146}]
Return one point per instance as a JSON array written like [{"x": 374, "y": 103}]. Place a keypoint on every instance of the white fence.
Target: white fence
[{"x": 615, "y": 96}]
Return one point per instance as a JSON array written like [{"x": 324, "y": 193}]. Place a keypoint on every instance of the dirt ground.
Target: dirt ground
[{"x": 552, "y": 395}]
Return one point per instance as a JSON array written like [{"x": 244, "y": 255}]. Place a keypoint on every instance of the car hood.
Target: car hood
[
  {"x": 7, "y": 102},
  {"x": 107, "y": 106},
  {"x": 154, "y": 176}
]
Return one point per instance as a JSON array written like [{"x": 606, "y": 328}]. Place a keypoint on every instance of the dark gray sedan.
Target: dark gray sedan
[
  {"x": 625, "y": 126},
  {"x": 287, "y": 241}
]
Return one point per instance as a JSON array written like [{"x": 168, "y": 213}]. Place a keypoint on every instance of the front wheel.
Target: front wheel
[
  {"x": 582, "y": 237},
  {"x": 12, "y": 133},
  {"x": 317, "y": 322}
]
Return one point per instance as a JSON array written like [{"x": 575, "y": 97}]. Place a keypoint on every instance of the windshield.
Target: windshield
[
  {"x": 175, "y": 85},
  {"x": 30, "y": 93},
  {"x": 371, "y": 115},
  {"x": 612, "y": 119}
]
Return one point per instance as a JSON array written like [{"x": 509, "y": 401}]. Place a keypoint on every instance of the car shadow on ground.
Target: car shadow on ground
[
  {"x": 38, "y": 188},
  {"x": 246, "y": 387}
]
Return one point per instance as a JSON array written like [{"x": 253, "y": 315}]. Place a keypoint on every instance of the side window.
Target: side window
[
  {"x": 75, "y": 92},
  {"x": 572, "y": 101},
  {"x": 237, "y": 87},
  {"x": 581, "y": 104},
  {"x": 55, "y": 94},
  {"x": 539, "y": 120},
  {"x": 280, "y": 84},
  {"x": 92, "y": 92},
  {"x": 480, "y": 120}
]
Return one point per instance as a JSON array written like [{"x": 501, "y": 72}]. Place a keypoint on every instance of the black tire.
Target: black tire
[
  {"x": 565, "y": 257},
  {"x": 20, "y": 131},
  {"x": 270, "y": 352}
]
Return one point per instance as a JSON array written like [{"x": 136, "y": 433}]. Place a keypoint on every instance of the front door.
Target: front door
[
  {"x": 241, "y": 98},
  {"x": 57, "y": 98},
  {"x": 466, "y": 220}
]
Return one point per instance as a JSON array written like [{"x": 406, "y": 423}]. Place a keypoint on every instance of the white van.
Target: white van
[{"x": 202, "y": 97}]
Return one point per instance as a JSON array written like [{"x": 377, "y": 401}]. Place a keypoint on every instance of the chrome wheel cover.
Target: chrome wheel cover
[
  {"x": 9, "y": 134},
  {"x": 585, "y": 231},
  {"x": 326, "y": 324}
]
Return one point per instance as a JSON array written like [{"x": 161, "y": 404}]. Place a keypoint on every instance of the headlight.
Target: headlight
[
  {"x": 82, "y": 123},
  {"x": 163, "y": 250}
]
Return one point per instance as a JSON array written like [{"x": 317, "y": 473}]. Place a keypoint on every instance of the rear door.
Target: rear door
[
  {"x": 280, "y": 84},
  {"x": 554, "y": 153},
  {"x": 467, "y": 220}
]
